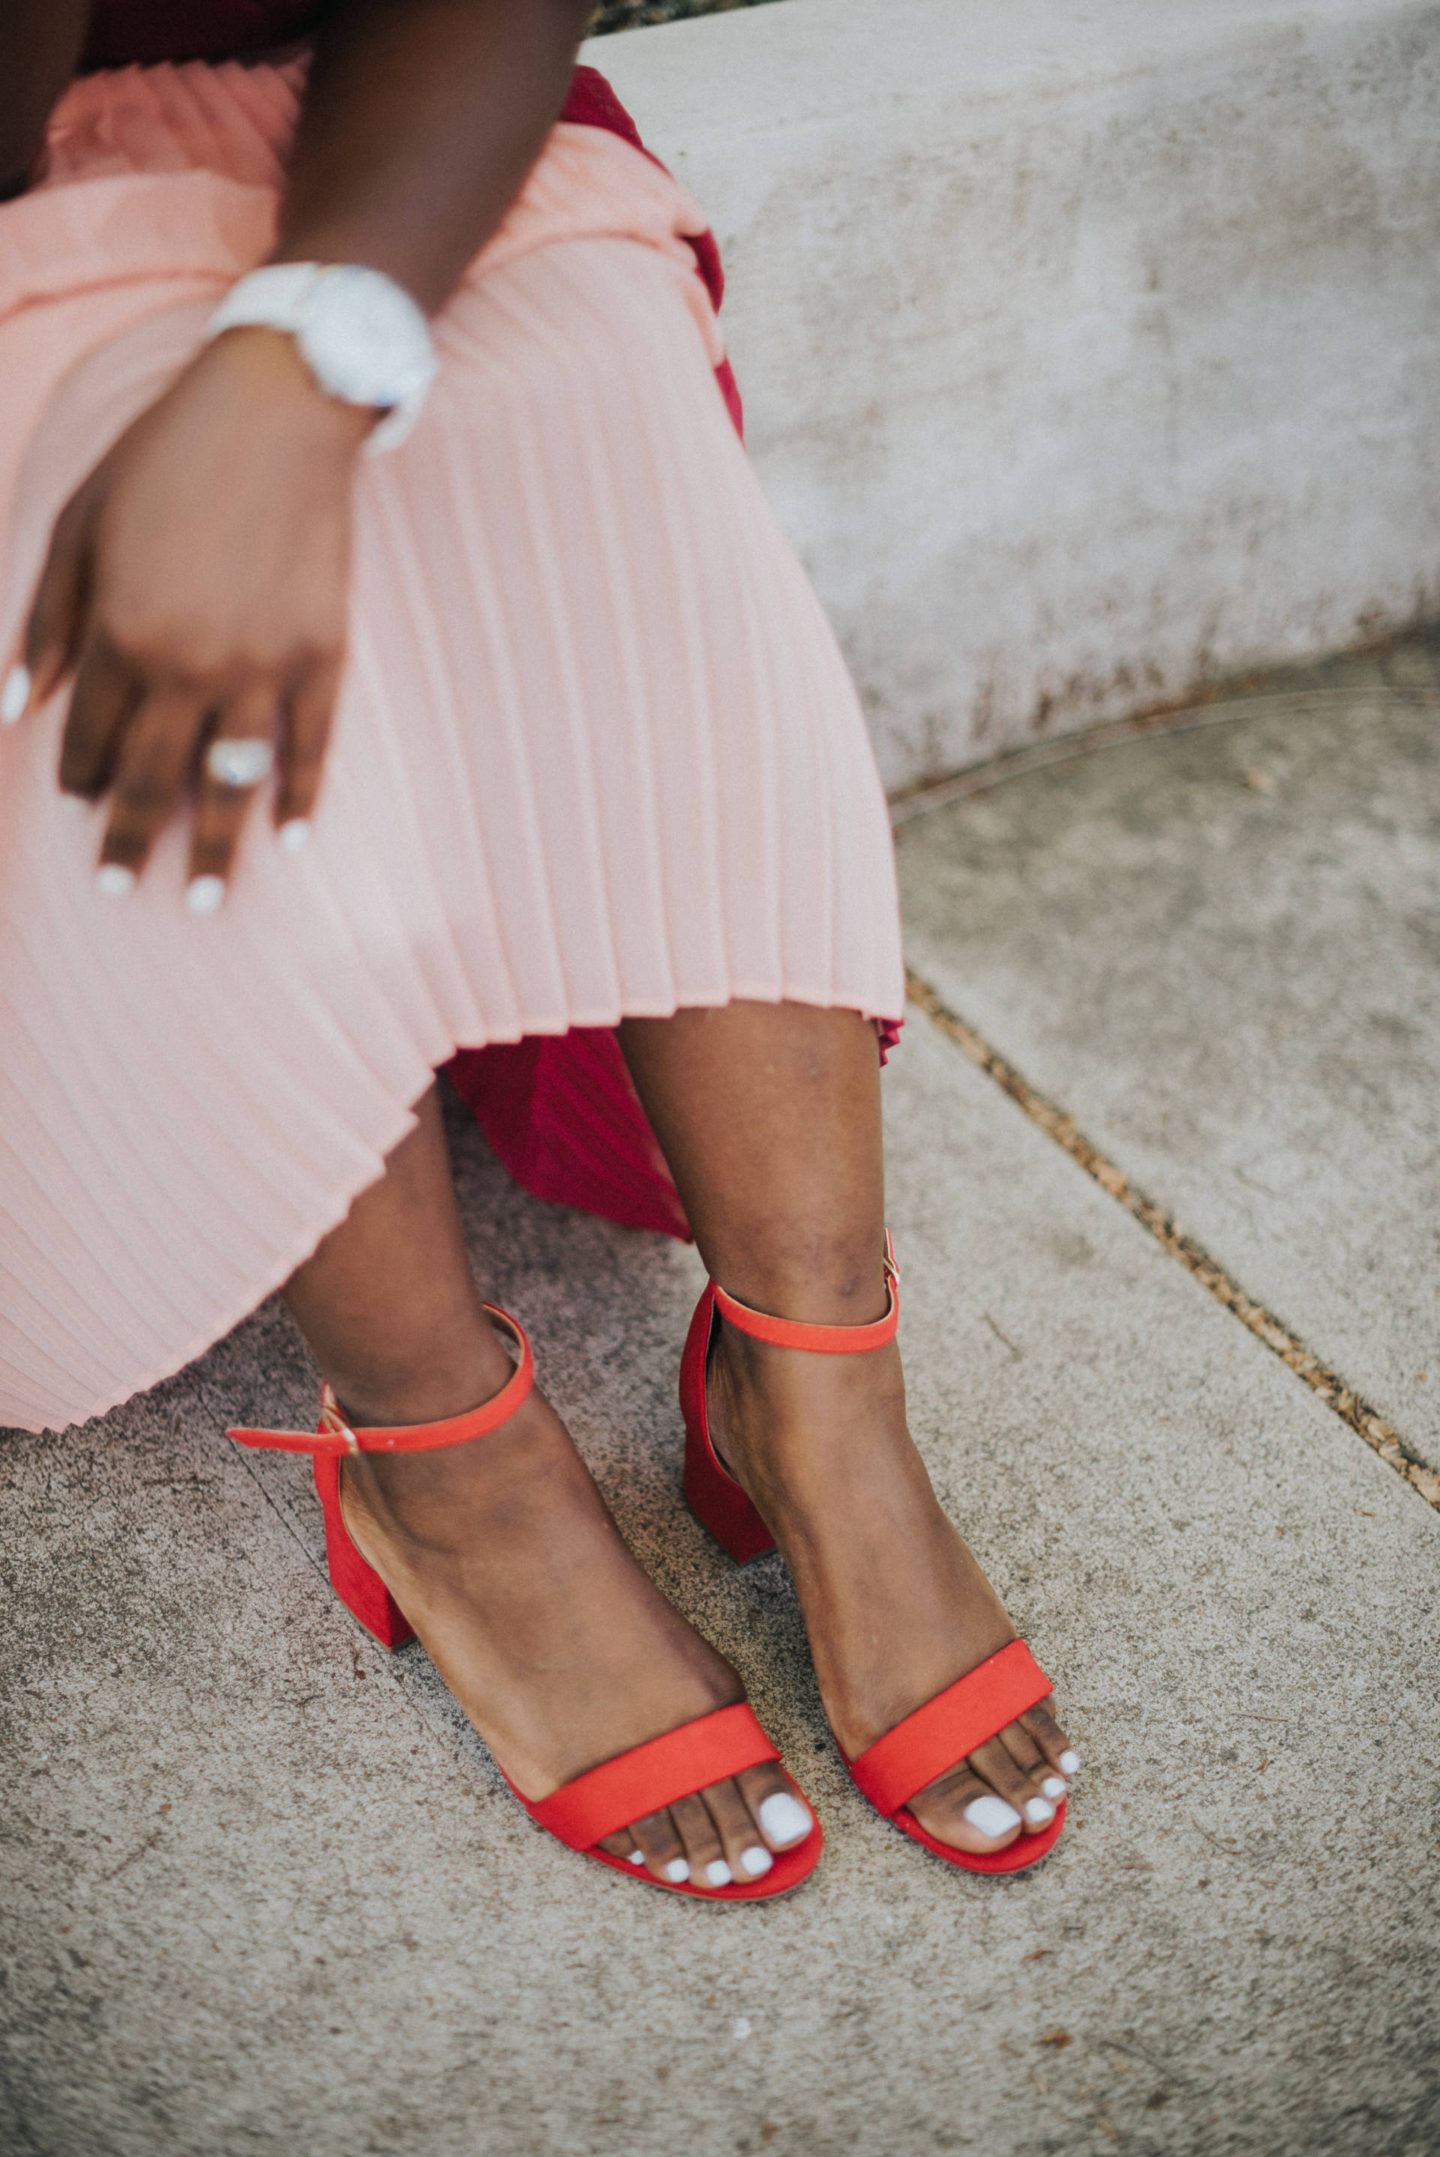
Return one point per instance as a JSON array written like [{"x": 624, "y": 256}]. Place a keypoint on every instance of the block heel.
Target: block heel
[
  {"x": 711, "y": 1492},
  {"x": 356, "y": 1582}
]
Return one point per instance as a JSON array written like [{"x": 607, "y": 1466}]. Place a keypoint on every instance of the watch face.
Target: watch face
[{"x": 366, "y": 340}]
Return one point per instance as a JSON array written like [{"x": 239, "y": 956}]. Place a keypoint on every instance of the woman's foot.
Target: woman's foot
[
  {"x": 560, "y": 1650},
  {"x": 500, "y": 1552},
  {"x": 895, "y": 1605}
]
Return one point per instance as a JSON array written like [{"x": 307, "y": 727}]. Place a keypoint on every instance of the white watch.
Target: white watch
[{"x": 360, "y": 334}]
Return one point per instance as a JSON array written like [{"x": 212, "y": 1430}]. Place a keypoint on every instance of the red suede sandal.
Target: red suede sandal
[
  {"x": 607, "y": 1798},
  {"x": 957, "y": 1721}
]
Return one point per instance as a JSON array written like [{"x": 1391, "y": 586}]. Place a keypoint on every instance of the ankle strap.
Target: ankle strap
[
  {"x": 336, "y": 1436},
  {"x": 818, "y": 1340}
]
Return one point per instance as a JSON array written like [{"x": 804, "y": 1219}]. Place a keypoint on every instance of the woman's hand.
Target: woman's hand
[{"x": 196, "y": 584}]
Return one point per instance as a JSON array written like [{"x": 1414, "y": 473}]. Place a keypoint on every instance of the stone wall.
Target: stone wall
[
  {"x": 635, "y": 14},
  {"x": 1089, "y": 347}
]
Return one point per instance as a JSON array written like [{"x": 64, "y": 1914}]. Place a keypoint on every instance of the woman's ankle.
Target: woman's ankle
[
  {"x": 448, "y": 1379},
  {"x": 440, "y": 1500},
  {"x": 779, "y": 1414}
]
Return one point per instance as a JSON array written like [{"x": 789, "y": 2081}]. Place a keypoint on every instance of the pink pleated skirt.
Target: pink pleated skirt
[{"x": 596, "y": 753}]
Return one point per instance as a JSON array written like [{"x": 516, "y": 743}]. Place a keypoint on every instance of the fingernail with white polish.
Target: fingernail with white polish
[
  {"x": 756, "y": 1860},
  {"x": 1069, "y": 1763},
  {"x": 991, "y": 1815},
  {"x": 114, "y": 879},
  {"x": 637, "y": 1857},
  {"x": 1037, "y": 1812},
  {"x": 718, "y": 1873},
  {"x": 784, "y": 1818},
  {"x": 677, "y": 1869},
  {"x": 75, "y": 804},
  {"x": 1053, "y": 1786},
  {"x": 15, "y": 695},
  {"x": 204, "y": 893},
  {"x": 293, "y": 833}
]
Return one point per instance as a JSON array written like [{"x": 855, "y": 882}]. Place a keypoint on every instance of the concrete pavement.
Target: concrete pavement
[
  {"x": 265, "y": 1893},
  {"x": 1221, "y": 951}
]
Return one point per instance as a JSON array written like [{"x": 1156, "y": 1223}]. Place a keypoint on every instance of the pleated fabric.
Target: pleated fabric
[{"x": 596, "y": 752}]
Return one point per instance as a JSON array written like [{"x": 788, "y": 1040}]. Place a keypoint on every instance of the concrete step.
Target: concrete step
[{"x": 1089, "y": 346}]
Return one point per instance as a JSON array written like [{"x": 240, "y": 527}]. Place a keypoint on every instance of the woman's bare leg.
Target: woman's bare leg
[
  {"x": 501, "y": 1553},
  {"x": 769, "y": 1116}
]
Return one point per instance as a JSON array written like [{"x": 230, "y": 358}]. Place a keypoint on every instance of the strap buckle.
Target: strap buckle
[
  {"x": 333, "y": 1426},
  {"x": 333, "y": 1438}
]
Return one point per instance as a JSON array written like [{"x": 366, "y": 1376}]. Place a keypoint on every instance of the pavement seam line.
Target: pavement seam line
[{"x": 1058, "y": 1124}]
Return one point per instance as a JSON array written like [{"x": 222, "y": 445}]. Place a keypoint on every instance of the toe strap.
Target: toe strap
[
  {"x": 949, "y": 1727},
  {"x": 653, "y": 1775}
]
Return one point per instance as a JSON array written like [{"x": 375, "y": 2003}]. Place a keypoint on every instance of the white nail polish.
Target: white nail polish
[
  {"x": 1037, "y": 1812},
  {"x": 991, "y": 1815},
  {"x": 293, "y": 833},
  {"x": 718, "y": 1873},
  {"x": 677, "y": 1870},
  {"x": 75, "y": 804},
  {"x": 14, "y": 696},
  {"x": 756, "y": 1860},
  {"x": 1069, "y": 1763},
  {"x": 637, "y": 1857},
  {"x": 784, "y": 1818},
  {"x": 114, "y": 879},
  {"x": 1053, "y": 1787},
  {"x": 204, "y": 893}
]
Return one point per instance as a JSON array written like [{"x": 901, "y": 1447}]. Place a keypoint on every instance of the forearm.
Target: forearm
[
  {"x": 421, "y": 120},
  {"x": 40, "y": 43}
]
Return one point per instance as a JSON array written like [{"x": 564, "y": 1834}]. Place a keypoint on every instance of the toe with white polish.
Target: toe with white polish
[
  {"x": 718, "y": 1873},
  {"x": 991, "y": 1815},
  {"x": 1053, "y": 1788},
  {"x": 1069, "y": 1763},
  {"x": 204, "y": 894},
  {"x": 15, "y": 695},
  {"x": 756, "y": 1860},
  {"x": 295, "y": 833},
  {"x": 637, "y": 1857},
  {"x": 784, "y": 1818},
  {"x": 677, "y": 1870},
  {"x": 1037, "y": 1812},
  {"x": 114, "y": 879}
]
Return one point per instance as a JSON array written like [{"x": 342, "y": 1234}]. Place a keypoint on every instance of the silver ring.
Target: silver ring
[{"x": 239, "y": 763}]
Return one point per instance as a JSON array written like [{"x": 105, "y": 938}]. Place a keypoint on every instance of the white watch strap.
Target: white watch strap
[
  {"x": 272, "y": 297},
  {"x": 279, "y": 296}
]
